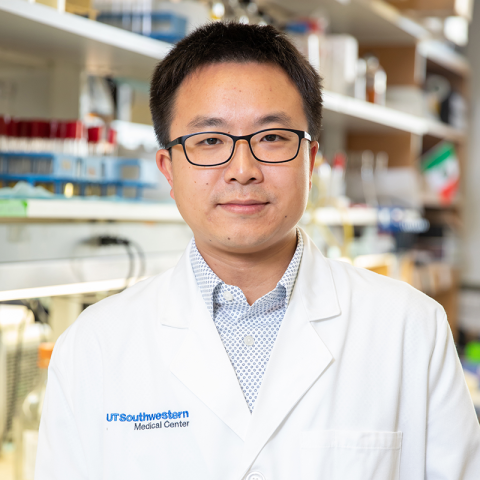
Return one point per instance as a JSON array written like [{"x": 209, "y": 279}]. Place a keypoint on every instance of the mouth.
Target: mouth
[{"x": 245, "y": 207}]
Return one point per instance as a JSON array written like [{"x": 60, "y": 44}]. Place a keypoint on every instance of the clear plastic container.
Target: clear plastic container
[
  {"x": 27, "y": 421},
  {"x": 308, "y": 35}
]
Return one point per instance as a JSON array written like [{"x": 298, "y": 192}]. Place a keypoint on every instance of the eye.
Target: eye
[
  {"x": 271, "y": 137},
  {"x": 211, "y": 141}
]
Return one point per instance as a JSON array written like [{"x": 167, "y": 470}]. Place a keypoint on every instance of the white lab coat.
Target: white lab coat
[{"x": 363, "y": 383}]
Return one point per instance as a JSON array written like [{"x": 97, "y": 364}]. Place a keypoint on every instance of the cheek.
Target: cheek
[
  {"x": 292, "y": 185},
  {"x": 193, "y": 187}
]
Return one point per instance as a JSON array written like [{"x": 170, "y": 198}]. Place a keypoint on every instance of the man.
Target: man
[{"x": 255, "y": 357}]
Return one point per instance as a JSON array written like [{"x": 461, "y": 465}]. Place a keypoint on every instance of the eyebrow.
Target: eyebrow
[
  {"x": 203, "y": 121},
  {"x": 277, "y": 117}
]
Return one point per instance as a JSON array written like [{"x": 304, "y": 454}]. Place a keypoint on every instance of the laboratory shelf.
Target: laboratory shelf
[
  {"x": 40, "y": 32},
  {"x": 370, "y": 21},
  {"x": 63, "y": 289},
  {"x": 443, "y": 55},
  {"x": 43, "y": 34},
  {"x": 444, "y": 131},
  {"x": 362, "y": 216},
  {"x": 104, "y": 210},
  {"x": 357, "y": 115},
  {"x": 53, "y": 209},
  {"x": 43, "y": 256},
  {"x": 336, "y": 217}
]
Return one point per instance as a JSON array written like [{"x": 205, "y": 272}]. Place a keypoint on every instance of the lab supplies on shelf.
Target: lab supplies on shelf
[
  {"x": 308, "y": 35},
  {"x": 165, "y": 26},
  {"x": 336, "y": 58},
  {"x": 167, "y": 21},
  {"x": 376, "y": 81},
  {"x": 340, "y": 67},
  {"x": 69, "y": 174},
  {"x": 55, "y": 136}
]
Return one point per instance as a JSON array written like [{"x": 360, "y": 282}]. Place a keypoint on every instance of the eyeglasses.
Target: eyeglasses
[{"x": 210, "y": 149}]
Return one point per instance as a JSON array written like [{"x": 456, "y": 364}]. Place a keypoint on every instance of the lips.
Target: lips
[
  {"x": 244, "y": 202},
  {"x": 246, "y": 207}
]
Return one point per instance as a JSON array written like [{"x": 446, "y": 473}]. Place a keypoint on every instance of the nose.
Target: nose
[{"x": 243, "y": 167}]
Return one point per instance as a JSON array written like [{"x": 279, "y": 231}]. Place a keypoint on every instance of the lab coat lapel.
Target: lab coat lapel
[
  {"x": 201, "y": 363},
  {"x": 299, "y": 356}
]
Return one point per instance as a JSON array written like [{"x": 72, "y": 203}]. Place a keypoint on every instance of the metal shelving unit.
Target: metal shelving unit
[
  {"x": 37, "y": 32},
  {"x": 85, "y": 210},
  {"x": 44, "y": 33},
  {"x": 38, "y": 35},
  {"x": 358, "y": 115},
  {"x": 370, "y": 21},
  {"x": 34, "y": 210}
]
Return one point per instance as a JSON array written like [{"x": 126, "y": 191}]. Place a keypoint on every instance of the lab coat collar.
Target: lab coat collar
[
  {"x": 298, "y": 357},
  {"x": 314, "y": 286},
  {"x": 201, "y": 362}
]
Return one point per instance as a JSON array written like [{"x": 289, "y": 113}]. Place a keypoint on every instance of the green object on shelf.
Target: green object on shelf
[
  {"x": 472, "y": 352},
  {"x": 13, "y": 208}
]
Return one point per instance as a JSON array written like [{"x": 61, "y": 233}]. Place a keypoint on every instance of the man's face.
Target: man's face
[{"x": 244, "y": 206}]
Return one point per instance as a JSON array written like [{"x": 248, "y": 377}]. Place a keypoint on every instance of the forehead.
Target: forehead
[{"x": 238, "y": 93}]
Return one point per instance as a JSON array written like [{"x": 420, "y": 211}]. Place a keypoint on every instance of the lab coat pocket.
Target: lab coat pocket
[{"x": 352, "y": 455}]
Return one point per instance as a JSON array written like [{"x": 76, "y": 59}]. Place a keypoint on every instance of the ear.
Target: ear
[
  {"x": 314, "y": 146},
  {"x": 164, "y": 164}
]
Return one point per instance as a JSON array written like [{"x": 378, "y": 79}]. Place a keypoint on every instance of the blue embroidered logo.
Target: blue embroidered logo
[
  {"x": 152, "y": 418},
  {"x": 145, "y": 417}
]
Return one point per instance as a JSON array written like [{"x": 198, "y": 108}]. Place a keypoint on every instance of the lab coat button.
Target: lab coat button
[
  {"x": 255, "y": 476},
  {"x": 249, "y": 340},
  {"x": 227, "y": 296}
]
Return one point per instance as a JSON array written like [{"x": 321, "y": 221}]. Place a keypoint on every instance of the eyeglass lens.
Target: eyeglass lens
[{"x": 215, "y": 148}]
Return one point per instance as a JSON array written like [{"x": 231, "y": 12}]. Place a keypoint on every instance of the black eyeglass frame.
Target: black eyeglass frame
[{"x": 181, "y": 141}]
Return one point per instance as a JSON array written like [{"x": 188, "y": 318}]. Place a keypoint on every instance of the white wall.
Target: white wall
[
  {"x": 24, "y": 91},
  {"x": 471, "y": 213},
  {"x": 46, "y": 91}
]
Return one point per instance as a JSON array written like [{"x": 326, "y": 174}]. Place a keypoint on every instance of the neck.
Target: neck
[{"x": 255, "y": 274}]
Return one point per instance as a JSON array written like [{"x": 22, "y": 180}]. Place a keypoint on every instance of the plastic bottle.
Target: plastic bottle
[
  {"x": 376, "y": 81},
  {"x": 24, "y": 135},
  {"x": 112, "y": 144},
  {"x": 95, "y": 139},
  {"x": 368, "y": 178},
  {"x": 309, "y": 37},
  {"x": 13, "y": 135},
  {"x": 28, "y": 419},
  {"x": 58, "y": 131},
  {"x": 75, "y": 142},
  {"x": 337, "y": 178},
  {"x": 41, "y": 141},
  {"x": 360, "y": 90}
]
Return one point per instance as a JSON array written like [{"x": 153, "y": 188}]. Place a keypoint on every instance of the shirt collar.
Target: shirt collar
[{"x": 207, "y": 280}]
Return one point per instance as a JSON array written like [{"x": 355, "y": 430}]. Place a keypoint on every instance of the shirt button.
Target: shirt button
[
  {"x": 254, "y": 476},
  {"x": 249, "y": 340},
  {"x": 227, "y": 296}
]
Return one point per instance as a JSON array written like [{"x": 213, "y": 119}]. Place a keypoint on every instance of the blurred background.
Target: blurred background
[{"x": 84, "y": 213}]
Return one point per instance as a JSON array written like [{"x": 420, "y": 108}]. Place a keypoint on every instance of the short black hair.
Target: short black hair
[{"x": 220, "y": 42}]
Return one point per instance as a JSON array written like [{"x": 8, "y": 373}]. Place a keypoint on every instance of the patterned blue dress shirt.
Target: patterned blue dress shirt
[{"x": 248, "y": 332}]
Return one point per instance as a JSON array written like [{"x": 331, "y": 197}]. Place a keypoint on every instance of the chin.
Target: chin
[
  {"x": 239, "y": 236},
  {"x": 244, "y": 238}
]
